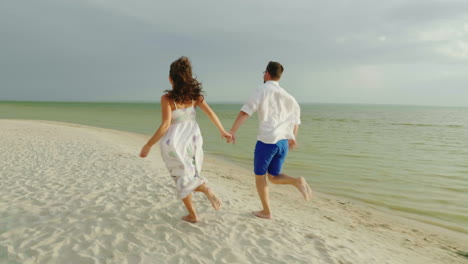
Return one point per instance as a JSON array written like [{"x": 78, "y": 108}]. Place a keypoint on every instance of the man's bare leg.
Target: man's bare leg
[
  {"x": 300, "y": 183},
  {"x": 192, "y": 215},
  {"x": 262, "y": 189},
  {"x": 215, "y": 202}
]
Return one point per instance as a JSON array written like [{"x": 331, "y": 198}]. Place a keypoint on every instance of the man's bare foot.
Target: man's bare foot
[
  {"x": 190, "y": 219},
  {"x": 215, "y": 202},
  {"x": 261, "y": 214},
  {"x": 304, "y": 189}
]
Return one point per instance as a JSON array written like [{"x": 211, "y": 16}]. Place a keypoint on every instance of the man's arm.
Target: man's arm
[
  {"x": 292, "y": 142},
  {"x": 296, "y": 129},
  {"x": 241, "y": 117}
]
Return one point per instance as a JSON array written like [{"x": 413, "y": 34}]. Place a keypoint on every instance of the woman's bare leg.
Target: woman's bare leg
[
  {"x": 192, "y": 215},
  {"x": 215, "y": 202}
]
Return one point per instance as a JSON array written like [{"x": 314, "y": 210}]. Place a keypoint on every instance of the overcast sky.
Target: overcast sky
[{"x": 333, "y": 51}]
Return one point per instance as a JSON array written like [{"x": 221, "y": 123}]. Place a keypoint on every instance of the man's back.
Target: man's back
[{"x": 278, "y": 112}]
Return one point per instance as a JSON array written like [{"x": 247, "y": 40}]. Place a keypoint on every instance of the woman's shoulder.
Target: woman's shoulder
[
  {"x": 199, "y": 100},
  {"x": 165, "y": 97}
]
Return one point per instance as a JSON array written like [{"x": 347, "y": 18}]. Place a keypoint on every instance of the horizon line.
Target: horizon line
[{"x": 230, "y": 102}]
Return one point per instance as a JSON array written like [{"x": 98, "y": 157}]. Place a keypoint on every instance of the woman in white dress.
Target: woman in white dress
[{"x": 181, "y": 140}]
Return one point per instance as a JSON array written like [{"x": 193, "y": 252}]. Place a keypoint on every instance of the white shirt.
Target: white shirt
[{"x": 278, "y": 112}]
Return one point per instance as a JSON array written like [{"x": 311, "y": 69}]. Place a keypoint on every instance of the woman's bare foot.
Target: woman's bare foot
[
  {"x": 190, "y": 218},
  {"x": 304, "y": 189},
  {"x": 309, "y": 190},
  {"x": 215, "y": 202},
  {"x": 261, "y": 214}
]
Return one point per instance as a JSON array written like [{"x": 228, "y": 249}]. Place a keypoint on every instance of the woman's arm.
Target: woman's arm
[
  {"x": 213, "y": 117},
  {"x": 165, "y": 123}
]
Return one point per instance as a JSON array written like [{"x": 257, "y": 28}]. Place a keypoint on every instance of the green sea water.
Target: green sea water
[{"x": 409, "y": 160}]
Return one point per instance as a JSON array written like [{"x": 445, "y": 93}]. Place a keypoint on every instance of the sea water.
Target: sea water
[{"x": 410, "y": 160}]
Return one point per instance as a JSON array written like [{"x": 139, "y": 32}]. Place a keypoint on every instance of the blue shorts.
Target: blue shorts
[{"x": 270, "y": 157}]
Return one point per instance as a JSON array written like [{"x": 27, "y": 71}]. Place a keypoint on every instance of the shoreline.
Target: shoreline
[
  {"x": 237, "y": 103},
  {"x": 366, "y": 208},
  {"x": 226, "y": 162},
  {"x": 331, "y": 229},
  {"x": 219, "y": 159}
]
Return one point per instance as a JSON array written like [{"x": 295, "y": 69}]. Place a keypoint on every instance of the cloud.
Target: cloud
[
  {"x": 120, "y": 50},
  {"x": 458, "y": 50},
  {"x": 422, "y": 11}
]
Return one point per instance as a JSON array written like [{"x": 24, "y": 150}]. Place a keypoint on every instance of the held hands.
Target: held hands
[
  {"x": 227, "y": 136},
  {"x": 144, "y": 151},
  {"x": 232, "y": 139}
]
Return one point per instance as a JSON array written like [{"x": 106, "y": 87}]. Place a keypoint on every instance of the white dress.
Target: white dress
[{"x": 181, "y": 150}]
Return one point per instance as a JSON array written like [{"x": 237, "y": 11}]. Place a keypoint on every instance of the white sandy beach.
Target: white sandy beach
[{"x": 77, "y": 194}]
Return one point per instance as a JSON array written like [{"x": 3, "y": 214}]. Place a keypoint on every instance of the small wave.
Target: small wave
[
  {"x": 409, "y": 124},
  {"x": 426, "y": 125},
  {"x": 337, "y": 120},
  {"x": 353, "y": 156},
  {"x": 454, "y": 189}
]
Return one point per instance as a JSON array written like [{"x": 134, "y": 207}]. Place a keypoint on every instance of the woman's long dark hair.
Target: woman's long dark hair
[{"x": 184, "y": 87}]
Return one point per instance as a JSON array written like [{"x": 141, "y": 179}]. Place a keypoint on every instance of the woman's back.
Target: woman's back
[{"x": 183, "y": 112}]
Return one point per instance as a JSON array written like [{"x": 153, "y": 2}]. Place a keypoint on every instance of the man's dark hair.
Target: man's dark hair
[{"x": 275, "y": 69}]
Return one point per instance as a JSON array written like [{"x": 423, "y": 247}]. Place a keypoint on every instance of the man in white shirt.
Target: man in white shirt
[{"x": 279, "y": 119}]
